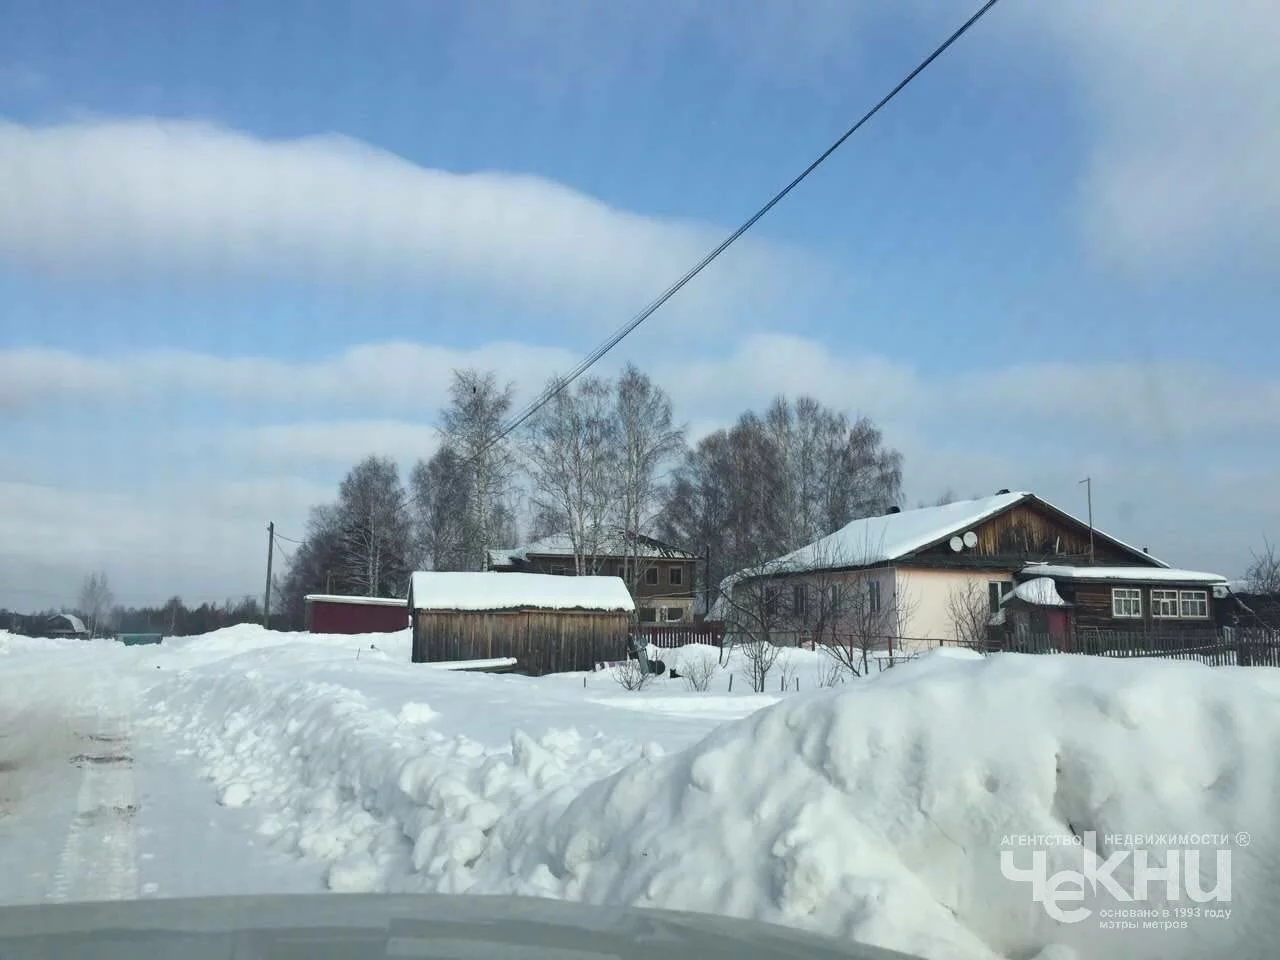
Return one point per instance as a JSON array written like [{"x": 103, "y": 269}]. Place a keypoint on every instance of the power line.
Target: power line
[{"x": 592, "y": 358}]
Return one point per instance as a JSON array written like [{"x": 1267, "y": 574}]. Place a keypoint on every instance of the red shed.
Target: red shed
[{"x": 331, "y": 614}]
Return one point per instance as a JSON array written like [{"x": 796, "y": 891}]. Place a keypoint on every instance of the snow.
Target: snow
[
  {"x": 1141, "y": 574},
  {"x": 368, "y": 601},
  {"x": 1040, "y": 592},
  {"x": 513, "y": 591},
  {"x": 617, "y": 545},
  {"x": 875, "y": 810}
]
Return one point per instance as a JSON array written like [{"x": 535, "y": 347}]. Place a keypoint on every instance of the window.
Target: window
[
  {"x": 648, "y": 614},
  {"x": 771, "y": 601},
  {"x": 675, "y": 576},
  {"x": 833, "y": 599},
  {"x": 799, "y": 595},
  {"x": 1193, "y": 603},
  {"x": 675, "y": 614},
  {"x": 873, "y": 596},
  {"x": 1164, "y": 603},
  {"x": 996, "y": 591},
  {"x": 651, "y": 576},
  {"x": 1126, "y": 602}
]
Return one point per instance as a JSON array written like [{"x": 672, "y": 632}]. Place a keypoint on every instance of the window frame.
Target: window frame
[
  {"x": 667, "y": 618},
  {"x": 1198, "y": 597},
  {"x": 873, "y": 596},
  {"x": 651, "y": 577},
  {"x": 675, "y": 576},
  {"x": 799, "y": 599},
  {"x": 1128, "y": 595},
  {"x": 652, "y": 614},
  {"x": 1161, "y": 596}
]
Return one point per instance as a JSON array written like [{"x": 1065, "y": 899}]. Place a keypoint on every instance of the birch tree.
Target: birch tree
[
  {"x": 374, "y": 535},
  {"x": 95, "y": 599},
  {"x": 648, "y": 441},
  {"x": 571, "y": 447},
  {"x": 440, "y": 490},
  {"x": 472, "y": 423}
]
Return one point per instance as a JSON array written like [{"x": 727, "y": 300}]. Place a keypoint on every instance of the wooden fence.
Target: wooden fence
[
  {"x": 1249, "y": 647},
  {"x": 669, "y": 635}
]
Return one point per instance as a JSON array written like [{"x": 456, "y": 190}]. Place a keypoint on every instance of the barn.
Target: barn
[
  {"x": 547, "y": 623},
  {"x": 326, "y": 613}
]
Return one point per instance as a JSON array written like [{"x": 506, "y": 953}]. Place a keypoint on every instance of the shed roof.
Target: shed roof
[
  {"x": 367, "y": 601},
  {"x": 616, "y": 543},
  {"x": 1132, "y": 574},
  {"x": 516, "y": 591}
]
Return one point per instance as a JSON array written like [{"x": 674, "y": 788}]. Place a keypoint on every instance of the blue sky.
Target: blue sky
[{"x": 241, "y": 245}]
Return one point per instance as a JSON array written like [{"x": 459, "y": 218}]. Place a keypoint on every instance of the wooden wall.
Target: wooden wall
[
  {"x": 1029, "y": 532},
  {"x": 1092, "y": 610},
  {"x": 542, "y": 641}
]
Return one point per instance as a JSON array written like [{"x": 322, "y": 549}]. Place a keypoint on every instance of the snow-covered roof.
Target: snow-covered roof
[
  {"x": 1140, "y": 574},
  {"x": 894, "y": 535},
  {"x": 367, "y": 601},
  {"x": 514, "y": 591},
  {"x": 73, "y": 622},
  {"x": 1040, "y": 592},
  {"x": 614, "y": 544}
]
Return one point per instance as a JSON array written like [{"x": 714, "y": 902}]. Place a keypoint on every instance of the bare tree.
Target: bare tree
[
  {"x": 760, "y": 656},
  {"x": 632, "y": 674},
  {"x": 571, "y": 445},
  {"x": 472, "y": 422},
  {"x": 440, "y": 491},
  {"x": 969, "y": 610},
  {"x": 1263, "y": 575},
  {"x": 698, "y": 671},
  {"x": 374, "y": 529},
  {"x": 648, "y": 441},
  {"x": 95, "y": 600}
]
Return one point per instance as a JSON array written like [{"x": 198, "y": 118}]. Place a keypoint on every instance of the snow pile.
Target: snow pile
[
  {"x": 1040, "y": 592},
  {"x": 879, "y": 812},
  {"x": 513, "y": 591}
]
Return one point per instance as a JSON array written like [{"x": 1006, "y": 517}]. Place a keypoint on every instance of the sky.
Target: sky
[{"x": 243, "y": 245}]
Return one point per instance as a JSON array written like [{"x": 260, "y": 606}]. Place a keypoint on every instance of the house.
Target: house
[
  {"x": 548, "y": 623},
  {"x": 661, "y": 576},
  {"x": 327, "y": 613},
  {"x": 916, "y": 578}
]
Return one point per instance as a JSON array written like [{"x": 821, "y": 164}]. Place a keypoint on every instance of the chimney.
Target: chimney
[
  {"x": 1000, "y": 493},
  {"x": 895, "y": 509},
  {"x": 1145, "y": 550}
]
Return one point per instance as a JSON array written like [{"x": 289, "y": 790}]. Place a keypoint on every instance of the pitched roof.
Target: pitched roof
[
  {"x": 1139, "y": 574},
  {"x": 516, "y": 591},
  {"x": 613, "y": 544},
  {"x": 894, "y": 536}
]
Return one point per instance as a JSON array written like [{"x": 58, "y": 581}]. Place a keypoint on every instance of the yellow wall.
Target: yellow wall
[{"x": 924, "y": 601}]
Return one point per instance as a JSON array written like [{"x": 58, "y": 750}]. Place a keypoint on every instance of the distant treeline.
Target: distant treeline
[{"x": 172, "y": 618}]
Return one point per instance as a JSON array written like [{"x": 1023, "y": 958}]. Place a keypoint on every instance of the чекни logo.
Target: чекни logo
[{"x": 1180, "y": 874}]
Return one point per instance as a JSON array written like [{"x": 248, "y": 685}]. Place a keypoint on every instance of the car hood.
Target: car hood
[{"x": 350, "y": 926}]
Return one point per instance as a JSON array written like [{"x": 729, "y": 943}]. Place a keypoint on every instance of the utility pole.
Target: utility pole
[
  {"x": 1088, "y": 486},
  {"x": 271, "y": 551}
]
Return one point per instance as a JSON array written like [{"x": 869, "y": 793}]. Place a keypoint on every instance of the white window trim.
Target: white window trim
[
  {"x": 666, "y": 615},
  {"x": 1159, "y": 596},
  {"x": 1127, "y": 594},
  {"x": 1202, "y": 595}
]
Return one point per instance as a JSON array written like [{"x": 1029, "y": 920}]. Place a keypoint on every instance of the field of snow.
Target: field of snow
[{"x": 879, "y": 809}]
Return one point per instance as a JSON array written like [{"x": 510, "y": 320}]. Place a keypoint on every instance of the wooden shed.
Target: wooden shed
[
  {"x": 549, "y": 624},
  {"x": 337, "y": 614}
]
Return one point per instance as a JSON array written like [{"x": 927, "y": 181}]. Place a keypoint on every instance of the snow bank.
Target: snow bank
[
  {"x": 879, "y": 812},
  {"x": 876, "y": 810}
]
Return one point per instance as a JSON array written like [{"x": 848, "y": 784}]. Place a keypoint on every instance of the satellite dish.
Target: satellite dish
[
  {"x": 970, "y": 539},
  {"x": 957, "y": 544}
]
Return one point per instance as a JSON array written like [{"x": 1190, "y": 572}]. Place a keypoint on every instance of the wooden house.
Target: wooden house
[
  {"x": 1033, "y": 565},
  {"x": 547, "y": 623},
  {"x": 659, "y": 575}
]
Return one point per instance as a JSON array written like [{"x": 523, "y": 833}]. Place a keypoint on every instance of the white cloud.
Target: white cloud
[
  {"x": 1184, "y": 115},
  {"x": 164, "y": 198},
  {"x": 1183, "y": 458},
  {"x": 337, "y": 443}
]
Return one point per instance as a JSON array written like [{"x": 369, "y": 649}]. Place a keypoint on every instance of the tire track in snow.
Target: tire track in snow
[{"x": 99, "y": 856}]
